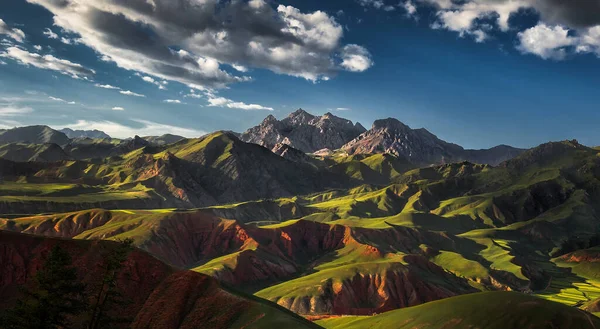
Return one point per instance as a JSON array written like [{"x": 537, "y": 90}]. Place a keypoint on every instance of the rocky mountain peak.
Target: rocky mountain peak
[
  {"x": 269, "y": 119},
  {"x": 299, "y": 117},
  {"x": 389, "y": 124},
  {"x": 420, "y": 146},
  {"x": 304, "y": 131}
]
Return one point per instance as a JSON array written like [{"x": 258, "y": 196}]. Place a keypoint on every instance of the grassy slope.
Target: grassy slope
[
  {"x": 509, "y": 220},
  {"x": 491, "y": 310}
]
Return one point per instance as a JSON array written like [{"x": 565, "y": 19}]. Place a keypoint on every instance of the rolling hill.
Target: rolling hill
[
  {"x": 432, "y": 233},
  {"x": 492, "y": 310}
]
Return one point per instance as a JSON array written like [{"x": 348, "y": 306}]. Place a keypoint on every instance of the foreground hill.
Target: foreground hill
[
  {"x": 159, "y": 295},
  {"x": 490, "y": 310}
]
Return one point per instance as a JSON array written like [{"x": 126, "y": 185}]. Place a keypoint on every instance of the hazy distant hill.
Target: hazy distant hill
[
  {"x": 164, "y": 139},
  {"x": 84, "y": 133}
]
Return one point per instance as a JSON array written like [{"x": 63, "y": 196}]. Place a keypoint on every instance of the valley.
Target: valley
[{"x": 347, "y": 239}]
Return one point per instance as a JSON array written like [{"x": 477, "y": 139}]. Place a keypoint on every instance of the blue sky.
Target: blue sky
[{"x": 476, "y": 73}]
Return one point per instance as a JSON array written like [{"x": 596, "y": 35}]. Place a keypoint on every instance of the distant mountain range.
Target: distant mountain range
[
  {"x": 323, "y": 135},
  {"x": 421, "y": 147},
  {"x": 84, "y": 133}
]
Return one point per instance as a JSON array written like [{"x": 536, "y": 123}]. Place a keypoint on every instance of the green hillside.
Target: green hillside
[{"x": 490, "y": 310}]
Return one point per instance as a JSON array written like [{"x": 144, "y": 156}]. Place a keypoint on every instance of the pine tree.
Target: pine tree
[
  {"x": 108, "y": 296},
  {"x": 54, "y": 295}
]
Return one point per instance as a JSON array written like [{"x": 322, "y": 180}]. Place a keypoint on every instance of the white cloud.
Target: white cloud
[
  {"x": 546, "y": 42},
  {"x": 13, "y": 111},
  {"x": 148, "y": 79},
  {"x": 56, "y": 99},
  {"x": 68, "y": 41},
  {"x": 15, "y": 34},
  {"x": 51, "y": 35},
  {"x": 343, "y": 109},
  {"x": 356, "y": 58},
  {"x": 239, "y": 68},
  {"x": 189, "y": 42},
  {"x": 193, "y": 94},
  {"x": 228, "y": 103},
  {"x": 131, "y": 93},
  {"x": 118, "y": 108},
  {"x": 160, "y": 84},
  {"x": 410, "y": 8},
  {"x": 173, "y": 101},
  {"x": 106, "y": 86},
  {"x": 141, "y": 128},
  {"x": 590, "y": 41},
  {"x": 564, "y": 27},
  {"x": 48, "y": 62},
  {"x": 37, "y": 47}
]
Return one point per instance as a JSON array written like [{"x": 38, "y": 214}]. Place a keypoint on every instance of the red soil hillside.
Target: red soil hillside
[{"x": 160, "y": 296}]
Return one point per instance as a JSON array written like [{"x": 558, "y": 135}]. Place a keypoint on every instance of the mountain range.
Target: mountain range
[
  {"x": 322, "y": 135},
  {"x": 314, "y": 215}
]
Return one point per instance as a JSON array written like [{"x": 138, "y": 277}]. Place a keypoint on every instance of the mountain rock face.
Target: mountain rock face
[
  {"x": 304, "y": 131},
  {"x": 420, "y": 146},
  {"x": 158, "y": 296},
  {"x": 84, "y": 133},
  {"x": 33, "y": 135}
]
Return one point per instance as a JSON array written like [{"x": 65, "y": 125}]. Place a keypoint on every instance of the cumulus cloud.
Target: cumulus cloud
[
  {"x": 48, "y": 62},
  {"x": 188, "y": 40},
  {"x": 131, "y": 93},
  {"x": 173, "y": 101},
  {"x": 14, "y": 33},
  {"x": 118, "y": 108},
  {"x": 216, "y": 101},
  {"x": 545, "y": 41},
  {"x": 37, "y": 47},
  {"x": 564, "y": 27},
  {"x": 356, "y": 58},
  {"x": 140, "y": 128}
]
